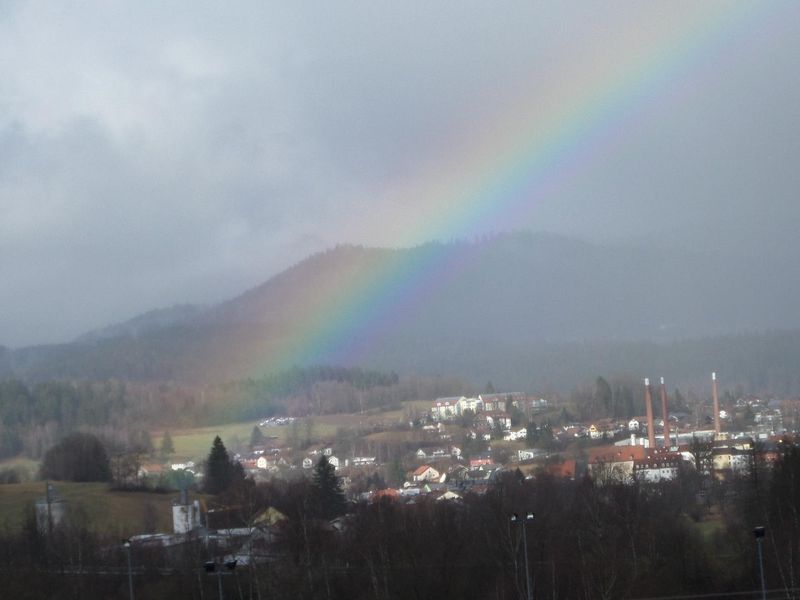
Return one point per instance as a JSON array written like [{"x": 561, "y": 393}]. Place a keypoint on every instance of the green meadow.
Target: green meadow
[{"x": 120, "y": 513}]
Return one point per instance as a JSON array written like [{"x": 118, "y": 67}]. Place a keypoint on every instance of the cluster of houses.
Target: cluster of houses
[
  {"x": 492, "y": 405},
  {"x": 636, "y": 449},
  {"x": 263, "y": 460}
]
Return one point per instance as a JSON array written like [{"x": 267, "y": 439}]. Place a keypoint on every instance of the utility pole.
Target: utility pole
[
  {"x": 127, "y": 545},
  {"x": 759, "y": 532},
  {"x": 528, "y": 582}
]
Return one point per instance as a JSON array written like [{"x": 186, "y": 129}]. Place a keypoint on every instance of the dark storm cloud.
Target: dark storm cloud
[{"x": 155, "y": 153}]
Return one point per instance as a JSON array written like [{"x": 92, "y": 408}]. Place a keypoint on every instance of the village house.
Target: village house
[
  {"x": 512, "y": 435},
  {"x": 480, "y": 460},
  {"x": 615, "y": 463},
  {"x": 248, "y": 464},
  {"x": 491, "y": 419},
  {"x": 432, "y": 453},
  {"x": 425, "y": 473},
  {"x": 732, "y": 460},
  {"x": 493, "y": 402},
  {"x": 530, "y": 454},
  {"x": 499, "y": 401},
  {"x": 439, "y": 452},
  {"x": 150, "y": 470},
  {"x": 182, "y": 466}
]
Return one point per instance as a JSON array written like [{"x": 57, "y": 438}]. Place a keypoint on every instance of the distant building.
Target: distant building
[
  {"x": 185, "y": 515},
  {"x": 446, "y": 409},
  {"x": 50, "y": 510},
  {"x": 657, "y": 467},
  {"x": 425, "y": 473},
  {"x": 480, "y": 460}
]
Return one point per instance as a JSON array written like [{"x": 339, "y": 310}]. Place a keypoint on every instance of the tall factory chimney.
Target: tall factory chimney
[
  {"x": 648, "y": 403},
  {"x": 665, "y": 413},
  {"x": 717, "y": 427}
]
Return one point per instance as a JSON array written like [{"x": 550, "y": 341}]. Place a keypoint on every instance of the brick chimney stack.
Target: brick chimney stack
[
  {"x": 665, "y": 413},
  {"x": 717, "y": 426},
  {"x": 648, "y": 402}
]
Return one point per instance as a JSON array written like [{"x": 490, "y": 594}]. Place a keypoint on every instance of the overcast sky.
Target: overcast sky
[{"x": 154, "y": 153}]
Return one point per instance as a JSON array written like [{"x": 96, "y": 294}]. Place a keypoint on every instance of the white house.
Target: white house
[
  {"x": 661, "y": 467},
  {"x": 307, "y": 462},
  {"x": 445, "y": 409},
  {"x": 426, "y": 473},
  {"x": 500, "y": 417},
  {"x": 512, "y": 435},
  {"x": 188, "y": 465},
  {"x": 473, "y": 404},
  {"x": 530, "y": 453},
  {"x": 334, "y": 462}
]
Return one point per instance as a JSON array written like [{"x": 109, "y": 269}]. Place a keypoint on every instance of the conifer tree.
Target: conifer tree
[
  {"x": 326, "y": 490},
  {"x": 219, "y": 470},
  {"x": 167, "y": 446},
  {"x": 256, "y": 437}
]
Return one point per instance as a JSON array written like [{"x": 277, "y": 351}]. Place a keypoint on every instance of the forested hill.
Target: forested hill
[{"x": 527, "y": 310}]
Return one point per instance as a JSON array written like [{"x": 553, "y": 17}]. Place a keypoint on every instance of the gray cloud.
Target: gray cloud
[{"x": 155, "y": 153}]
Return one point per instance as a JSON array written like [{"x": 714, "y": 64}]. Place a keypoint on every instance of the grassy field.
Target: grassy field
[
  {"x": 121, "y": 513},
  {"x": 125, "y": 513},
  {"x": 194, "y": 444}
]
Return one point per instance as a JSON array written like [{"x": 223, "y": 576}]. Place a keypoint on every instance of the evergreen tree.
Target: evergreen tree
[
  {"x": 531, "y": 434},
  {"x": 326, "y": 490},
  {"x": 167, "y": 446},
  {"x": 256, "y": 437},
  {"x": 219, "y": 469},
  {"x": 603, "y": 397}
]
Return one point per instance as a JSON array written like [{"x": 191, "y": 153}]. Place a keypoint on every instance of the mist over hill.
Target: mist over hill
[{"x": 530, "y": 311}]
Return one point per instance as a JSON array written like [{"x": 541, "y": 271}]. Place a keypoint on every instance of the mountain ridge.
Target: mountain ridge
[{"x": 517, "y": 294}]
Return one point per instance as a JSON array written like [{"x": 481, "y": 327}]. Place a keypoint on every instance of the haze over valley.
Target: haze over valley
[
  {"x": 526, "y": 309},
  {"x": 378, "y": 301}
]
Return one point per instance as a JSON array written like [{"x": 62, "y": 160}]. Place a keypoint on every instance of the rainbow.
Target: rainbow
[{"x": 494, "y": 180}]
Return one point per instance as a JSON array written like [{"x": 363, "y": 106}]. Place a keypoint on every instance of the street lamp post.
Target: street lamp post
[
  {"x": 528, "y": 582},
  {"x": 127, "y": 545},
  {"x": 759, "y": 534},
  {"x": 212, "y": 567}
]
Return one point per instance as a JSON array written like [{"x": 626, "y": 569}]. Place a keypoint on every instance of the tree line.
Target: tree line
[
  {"x": 585, "y": 541},
  {"x": 35, "y": 416}
]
